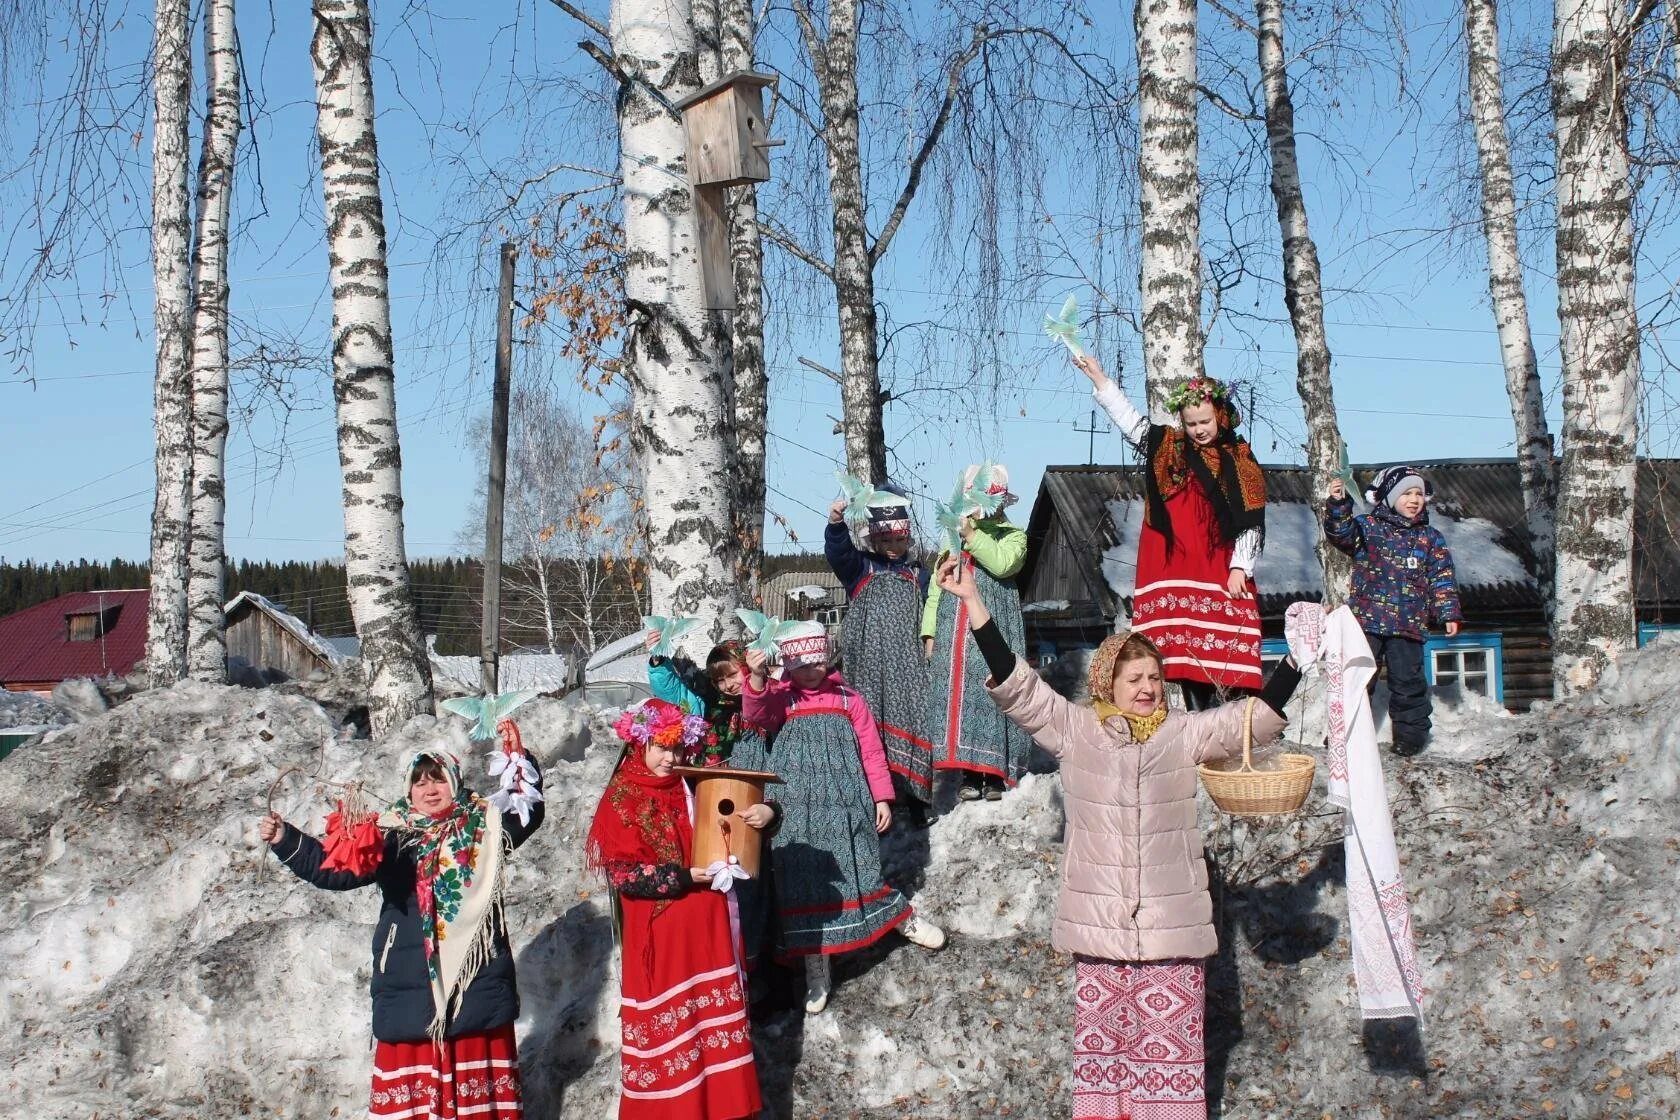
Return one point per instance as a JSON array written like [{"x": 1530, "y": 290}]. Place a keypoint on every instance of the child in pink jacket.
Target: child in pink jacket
[{"x": 835, "y": 798}]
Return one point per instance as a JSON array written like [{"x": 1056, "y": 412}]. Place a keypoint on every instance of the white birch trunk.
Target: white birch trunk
[
  {"x": 1505, "y": 284},
  {"x": 674, "y": 350},
  {"x": 206, "y": 558},
  {"x": 1170, "y": 192},
  {"x": 166, "y": 618},
  {"x": 364, "y": 386},
  {"x": 862, "y": 425},
  {"x": 1303, "y": 288},
  {"x": 737, "y": 36},
  {"x": 1594, "y": 602}
]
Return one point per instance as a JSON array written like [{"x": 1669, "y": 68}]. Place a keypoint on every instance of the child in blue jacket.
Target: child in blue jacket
[{"x": 1402, "y": 583}]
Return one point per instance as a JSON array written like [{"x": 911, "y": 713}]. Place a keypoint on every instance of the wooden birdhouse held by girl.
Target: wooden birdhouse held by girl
[
  {"x": 728, "y": 141},
  {"x": 719, "y": 795}
]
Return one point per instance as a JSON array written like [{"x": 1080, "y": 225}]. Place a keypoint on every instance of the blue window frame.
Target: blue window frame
[
  {"x": 1473, "y": 662},
  {"x": 1272, "y": 650},
  {"x": 1649, "y": 630}
]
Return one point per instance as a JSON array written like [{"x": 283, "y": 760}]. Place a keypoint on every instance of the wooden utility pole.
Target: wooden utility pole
[{"x": 489, "y": 660}]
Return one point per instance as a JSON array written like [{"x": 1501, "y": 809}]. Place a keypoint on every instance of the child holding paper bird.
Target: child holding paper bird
[
  {"x": 444, "y": 992},
  {"x": 687, "y": 1046},
  {"x": 967, "y": 732},
  {"x": 836, "y": 797},
  {"x": 1203, "y": 525},
  {"x": 879, "y": 643}
]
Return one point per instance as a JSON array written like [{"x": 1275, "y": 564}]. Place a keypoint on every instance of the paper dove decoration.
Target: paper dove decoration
[
  {"x": 976, "y": 495},
  {"x": 1065, "y": 327},
  {"x": 669, "y": 629},
  {"x": 487, "y": 712},
  {"x": 766, "y": 631},
  {"x": 950, "y": 515},
  {"x": 860, "y": 496},
  {"x": 518, "y": 774},
  {"x": 1344, "y": 471}
]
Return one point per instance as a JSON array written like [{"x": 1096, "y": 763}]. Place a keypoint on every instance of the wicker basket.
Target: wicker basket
[{"x": 1259, "y": 793}]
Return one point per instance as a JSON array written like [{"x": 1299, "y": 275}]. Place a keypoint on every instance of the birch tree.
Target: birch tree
[
  {"x": 1303, "y": 287},
  {"x": 728, "y": 31},
  {"x": 1170, "y": 262},
  {"x": 1505, "y": 284},
  {"x": 1593, "y": 608},
  {"x": 166, "y": 614},
  {"x": 675, "y": 351},
  {"x": 206, "y": 560},
  {"x": 364, "y": 385}
]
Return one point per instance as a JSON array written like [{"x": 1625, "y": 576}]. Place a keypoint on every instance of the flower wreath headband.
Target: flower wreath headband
[{"x": 1197, "y": 390}]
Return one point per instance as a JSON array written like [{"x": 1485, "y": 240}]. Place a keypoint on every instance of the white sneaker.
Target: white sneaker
[
  {"x": 817, "y": 983},
  {"x": 919, "y": 931}
]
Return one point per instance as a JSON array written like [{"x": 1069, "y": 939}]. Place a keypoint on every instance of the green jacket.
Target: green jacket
[{"x": 997, "y": 546}]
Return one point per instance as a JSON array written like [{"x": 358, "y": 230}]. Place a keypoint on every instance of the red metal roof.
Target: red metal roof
[{"x": 35, "y": 645}]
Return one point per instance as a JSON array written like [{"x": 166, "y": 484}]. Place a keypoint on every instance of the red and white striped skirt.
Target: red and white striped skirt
[
  {"x": 1137, "y": 1040},
  {"x": 475, "y": 1075}
]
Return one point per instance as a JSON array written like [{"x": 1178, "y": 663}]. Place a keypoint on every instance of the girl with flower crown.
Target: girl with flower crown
[
  {"x": 687, "y": 1045},
  {"x": 1204, "y": 522},
  {"x": 444, "y": 993}
]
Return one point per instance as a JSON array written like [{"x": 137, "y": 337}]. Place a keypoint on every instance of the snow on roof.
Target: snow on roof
[
  {"x": 291, "y": 623},
  {"x": 621, "y": 660}
]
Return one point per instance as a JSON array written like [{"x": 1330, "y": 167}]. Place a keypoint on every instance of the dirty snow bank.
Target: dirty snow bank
[{"x": 161, "y": 964}]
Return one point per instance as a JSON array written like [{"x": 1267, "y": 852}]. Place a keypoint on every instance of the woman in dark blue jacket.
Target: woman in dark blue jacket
[{"x": 444, "y": 993}]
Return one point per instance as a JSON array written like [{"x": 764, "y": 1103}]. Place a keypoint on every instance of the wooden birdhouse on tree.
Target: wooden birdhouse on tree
[
  {"x": 728, "y": 143},
  {"x": 728, "y": 146}
]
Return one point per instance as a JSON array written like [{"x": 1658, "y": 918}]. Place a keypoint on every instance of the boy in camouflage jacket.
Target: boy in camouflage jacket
[{"x": 1402, "y": 582}]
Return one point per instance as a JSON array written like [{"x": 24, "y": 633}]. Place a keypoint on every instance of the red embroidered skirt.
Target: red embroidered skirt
[
  {"x": 1181, "y": 603},
  {"x": 1137, "y": 1040},
  {"x": 475, "y": 1075},
  {"x": 687, "y": 1045}
]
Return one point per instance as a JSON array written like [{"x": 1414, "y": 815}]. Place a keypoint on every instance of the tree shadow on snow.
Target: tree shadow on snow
[
  {"x": 778, "y": 1045},
  {"x": 561, "y": 973},
  {"x": 1280, "y": 924}
]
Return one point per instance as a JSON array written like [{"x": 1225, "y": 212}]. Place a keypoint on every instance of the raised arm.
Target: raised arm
[
  {"x": 1341, "y": 527},
  {"x": 764, "y": 702},
  {"x": 1219, "y": 734},
  {"x": 1128, "y": 421},
  {"x": 667, "y": 684},
  {"x": 1019, "y": 693},
  {"x": 844, "y": 558},
  {"x": 516, "y": 832}
]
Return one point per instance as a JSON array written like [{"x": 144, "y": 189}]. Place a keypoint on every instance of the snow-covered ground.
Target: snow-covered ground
[{"x": 159, "y": 963}]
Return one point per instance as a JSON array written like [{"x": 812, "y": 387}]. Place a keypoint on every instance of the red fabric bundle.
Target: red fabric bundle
[{"x": 353, "y": 842}]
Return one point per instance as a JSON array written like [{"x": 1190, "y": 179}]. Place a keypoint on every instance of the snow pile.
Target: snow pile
[
  {"x": 161, "y": 964},
  {"x": 25, "y": 709}
]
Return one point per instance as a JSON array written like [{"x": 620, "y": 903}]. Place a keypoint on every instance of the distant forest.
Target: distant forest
[{"x": 448, "y": 593}]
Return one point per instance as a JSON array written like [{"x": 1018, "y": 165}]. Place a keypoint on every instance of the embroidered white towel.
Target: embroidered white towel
[{"x": 1385, "y": 962}]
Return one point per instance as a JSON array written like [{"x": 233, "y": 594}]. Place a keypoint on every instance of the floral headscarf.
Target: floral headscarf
[{"x": 1100, "y": 682}]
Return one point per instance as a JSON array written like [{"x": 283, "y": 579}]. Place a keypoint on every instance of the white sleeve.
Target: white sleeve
[
  {"x": 1131, "y": 423},
  {"x": 1246, "y": 551}
]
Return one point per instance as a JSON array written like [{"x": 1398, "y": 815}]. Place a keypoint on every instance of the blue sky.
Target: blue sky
[{"x": 1416, "y": 361}]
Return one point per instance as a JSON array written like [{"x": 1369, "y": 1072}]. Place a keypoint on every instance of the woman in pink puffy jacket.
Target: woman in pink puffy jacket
[{"x": 1133, "y": 907}]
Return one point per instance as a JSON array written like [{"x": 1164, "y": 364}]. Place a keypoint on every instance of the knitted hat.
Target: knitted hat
[
  {"x": 889, "y": 517},
  {"x": 995, "y": 482},
  {"x": 1396, "y": 480},
  {"x": 805, "y": 644}
]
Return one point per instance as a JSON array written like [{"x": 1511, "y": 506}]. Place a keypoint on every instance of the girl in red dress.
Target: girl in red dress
[
  {"x": 687, "y": 1046},
  {"x": 1204, "y": 522}
]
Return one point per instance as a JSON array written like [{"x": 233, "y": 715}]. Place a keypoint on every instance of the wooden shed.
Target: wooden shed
[
  {"x": 1082, "y": 546},
  {"x": 266, "y": 641}
]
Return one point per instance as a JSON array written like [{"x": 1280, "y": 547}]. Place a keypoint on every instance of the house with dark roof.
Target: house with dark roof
[
  {"x": 83, "y": 634},
  {"x": 1082, "y": 546}
]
